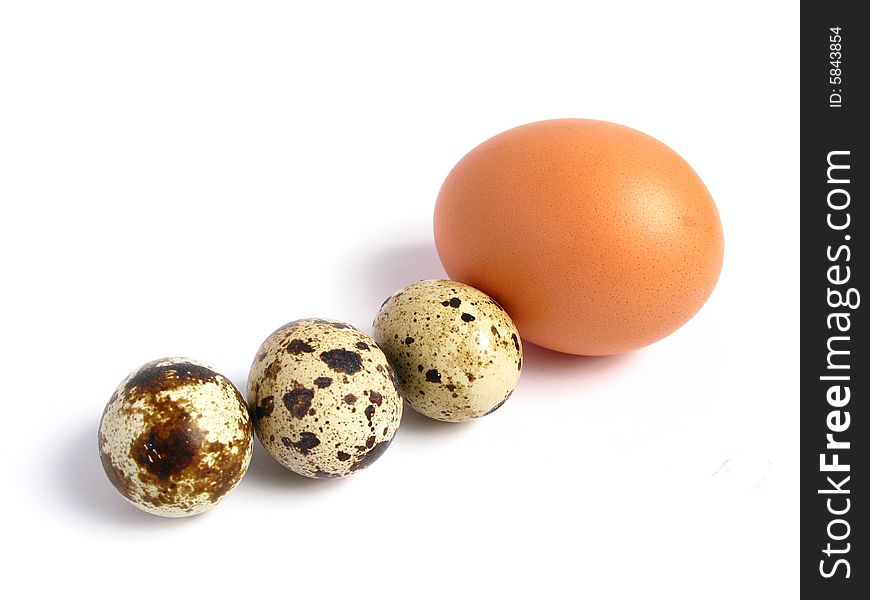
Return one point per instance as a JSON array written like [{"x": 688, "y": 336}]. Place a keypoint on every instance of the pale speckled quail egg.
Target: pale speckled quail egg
[
  {"x": 456, "y": 352},
  {"x": 175, "y": 437},
  {"x": 324, "y": 398}
]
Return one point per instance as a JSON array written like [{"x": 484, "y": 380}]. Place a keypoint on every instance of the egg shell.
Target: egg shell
[
  {"x": 324, "y": 398},
  {"x": 595, "y": 237},
  {"x": 175, "y": 437},
  {"x": 456, "y": 352}
]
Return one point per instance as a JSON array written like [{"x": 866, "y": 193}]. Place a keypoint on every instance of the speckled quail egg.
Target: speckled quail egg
[
  {"x": 324, "y": 398},
  {"x": 456, "y": 352},
  {"x": 175, "y": 437}
]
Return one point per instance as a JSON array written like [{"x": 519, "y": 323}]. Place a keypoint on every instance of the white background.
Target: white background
[{"x": 180, "y": 178}]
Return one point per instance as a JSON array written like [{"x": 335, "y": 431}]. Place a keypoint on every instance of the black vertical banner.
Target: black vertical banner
[{"x": 835, "y": 367}]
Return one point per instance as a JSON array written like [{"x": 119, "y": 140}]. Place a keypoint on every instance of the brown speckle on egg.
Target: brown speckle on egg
[
  {"x": 297, "y": 346},
  {"x": 298, "y": 400},
  {"x": 343, "y": 361}
]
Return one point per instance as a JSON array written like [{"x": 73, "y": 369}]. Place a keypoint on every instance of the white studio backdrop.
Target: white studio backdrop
[{"x": 181, "y": 178}]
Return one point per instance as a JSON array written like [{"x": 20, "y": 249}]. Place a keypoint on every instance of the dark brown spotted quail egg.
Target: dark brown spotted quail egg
[
  {"x": 456, "y": 352},
  {"x": 324, "y": 398},
  {"x": 175, "y": 437}
]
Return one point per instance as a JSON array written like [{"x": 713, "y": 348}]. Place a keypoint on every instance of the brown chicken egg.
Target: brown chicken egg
[{"x": 596, "y": 238}]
